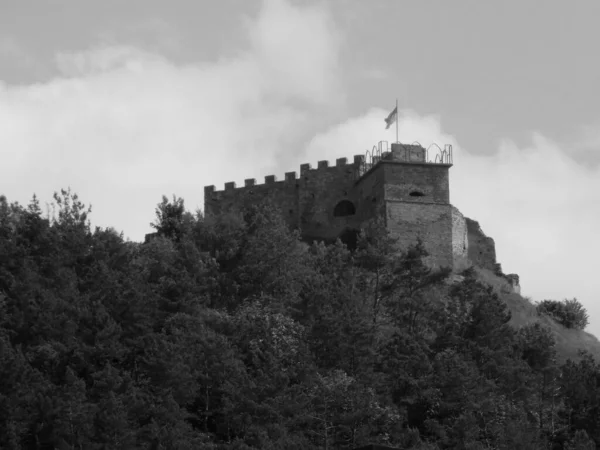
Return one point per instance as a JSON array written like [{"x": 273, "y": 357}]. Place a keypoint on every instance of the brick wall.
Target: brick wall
[
  {"x": 308, "y": 201},
  {"x": 417, "y": 204},
  {"x": 283, "y": 193},
  {"x": 320, "y": 190},
  {"x": 370, "y": 194},
  {"x": 431, "y": 222},
  {"x": 404, "y": 179},
  {"x": 482, "y": 249}
]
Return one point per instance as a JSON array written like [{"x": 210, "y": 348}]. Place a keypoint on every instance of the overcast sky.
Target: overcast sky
[{"x": 127, "y": 101}]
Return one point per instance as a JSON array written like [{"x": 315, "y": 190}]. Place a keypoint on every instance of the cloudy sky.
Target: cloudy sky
[{"x": 127, "y": 101}]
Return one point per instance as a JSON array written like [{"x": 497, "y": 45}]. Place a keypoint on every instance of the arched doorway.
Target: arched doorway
[{"x": 349, "y": 237}]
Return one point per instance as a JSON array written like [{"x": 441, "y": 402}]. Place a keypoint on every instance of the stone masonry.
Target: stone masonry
[{"x": 409, "y": 192}]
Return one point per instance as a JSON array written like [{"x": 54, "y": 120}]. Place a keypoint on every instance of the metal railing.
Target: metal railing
[{"x": 415, "y": 152}]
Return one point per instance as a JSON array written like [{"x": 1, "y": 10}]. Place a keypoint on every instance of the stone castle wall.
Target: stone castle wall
[
  {"x": 417, "y": 182},
  {"x": 233, "y": 198},
  {"x": 307, "y": 201},
  {"x": 412, "y": 197},
  {"x": 417, "y": 203},
  {"x": 430, "y": 222},
  {"x": 320, "y": 190}
]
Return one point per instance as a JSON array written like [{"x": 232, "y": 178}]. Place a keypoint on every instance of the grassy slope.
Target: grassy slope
[{"x": 568, "y": 341}]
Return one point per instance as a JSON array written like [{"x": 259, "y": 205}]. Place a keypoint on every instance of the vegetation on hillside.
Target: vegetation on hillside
[
  {"x": 569, "y": 313},
  {"x": 229, "y": 333}
]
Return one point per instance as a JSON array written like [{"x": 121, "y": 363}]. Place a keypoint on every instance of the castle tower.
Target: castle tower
[
  {"x": 414, "y": 192},
  {"x": 406, "y": 186}
]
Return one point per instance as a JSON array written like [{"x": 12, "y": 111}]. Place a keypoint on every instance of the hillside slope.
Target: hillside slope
[{"x": 568, "y": 341}]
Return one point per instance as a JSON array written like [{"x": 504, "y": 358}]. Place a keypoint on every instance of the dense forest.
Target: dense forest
[{"x": 230, "y": 333}]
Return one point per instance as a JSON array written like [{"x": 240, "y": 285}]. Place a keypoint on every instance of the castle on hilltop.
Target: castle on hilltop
[{"x": 405, "y": 185}]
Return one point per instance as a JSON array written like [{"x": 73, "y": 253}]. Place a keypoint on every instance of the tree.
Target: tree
[
  {"x": 580, "y": 386},
  {"x": 410, "y": 295},
  {"x": 343, "y": 413},
  {"x": 375, "y": 256},
  {"x": 581, "y": 441},
  {"x": 226, "y": 332},
  {"x": 569, "y": 313},
  {"x": 537, "y": 347},
  {"x": 170, "y": 218},
  {"x": 342, "y": 333},
  {"x": 271, "y": 257}
]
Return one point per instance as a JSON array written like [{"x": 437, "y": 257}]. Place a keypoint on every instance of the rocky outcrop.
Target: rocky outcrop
[
  {"x": 513, "y": 279},
  {"x": 460, "y": 242},
  {"x": 470, "y": 243}
]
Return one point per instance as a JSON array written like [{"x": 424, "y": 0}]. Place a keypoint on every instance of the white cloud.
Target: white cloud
[
  {"x": 108, "y": 59},
  {"x": 123, "y": 126},
  {"x": 313, "y": 72}
]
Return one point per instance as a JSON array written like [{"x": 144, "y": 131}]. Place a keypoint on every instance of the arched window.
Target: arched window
[{"x": 344, "y": 208}]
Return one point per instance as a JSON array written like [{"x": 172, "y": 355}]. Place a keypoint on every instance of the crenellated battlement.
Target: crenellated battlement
[
  {"x": 270, "y": 181},
  {"x": 290, "y": 178}
]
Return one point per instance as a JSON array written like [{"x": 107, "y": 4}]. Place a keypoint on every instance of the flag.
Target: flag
[{"x": 390, "y": 119}]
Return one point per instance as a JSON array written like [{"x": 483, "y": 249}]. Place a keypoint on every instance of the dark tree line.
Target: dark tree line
[{"x": 229, "y": 333}]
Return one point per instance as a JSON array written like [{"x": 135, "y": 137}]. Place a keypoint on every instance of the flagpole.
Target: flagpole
[{"x": 397, "y": 120}]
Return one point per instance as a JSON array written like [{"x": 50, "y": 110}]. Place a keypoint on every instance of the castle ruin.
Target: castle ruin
[{"x": 405, "y": 185}]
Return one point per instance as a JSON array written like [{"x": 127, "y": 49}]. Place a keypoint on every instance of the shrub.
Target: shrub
[{"x": 569, "y": 313}]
